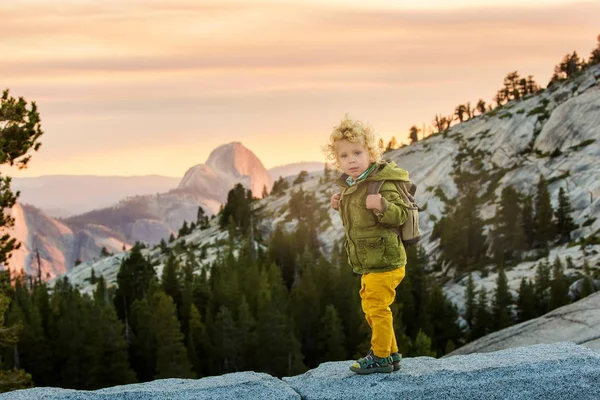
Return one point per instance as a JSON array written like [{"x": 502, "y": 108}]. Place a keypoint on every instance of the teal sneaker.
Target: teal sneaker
[
  {"x": 371, "y": 364},
  {"x": 396, "y": 359}
]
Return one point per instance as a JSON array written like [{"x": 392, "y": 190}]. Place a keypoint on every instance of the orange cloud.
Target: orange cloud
[{"x": 119, "y": 78}]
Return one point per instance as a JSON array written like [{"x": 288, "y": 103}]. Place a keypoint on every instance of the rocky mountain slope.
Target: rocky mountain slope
[
  {"x": 578, "y": 322},
  {"x": 555, "y": 133}
]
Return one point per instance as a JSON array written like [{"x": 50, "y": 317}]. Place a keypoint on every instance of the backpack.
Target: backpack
[{"x": 409, "y": 231}]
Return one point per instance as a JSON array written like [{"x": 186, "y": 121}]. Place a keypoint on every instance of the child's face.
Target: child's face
[{"x": 353, "y": 157}]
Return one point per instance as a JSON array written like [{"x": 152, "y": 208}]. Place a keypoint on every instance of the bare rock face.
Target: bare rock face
[
  {"x": 578, "y": 322},
  {"x": 233, "y": 161},
  {"x": 572, "y": 123},
  {"x": 227, "y": 166},
  {"x": 558, "y": 371},
  {"x": 202, "y": 179},
  {"x": 58, "y": 245}
]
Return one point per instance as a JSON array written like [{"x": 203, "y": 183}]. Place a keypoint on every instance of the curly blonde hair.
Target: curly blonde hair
[{"x": 353, "y": 131}]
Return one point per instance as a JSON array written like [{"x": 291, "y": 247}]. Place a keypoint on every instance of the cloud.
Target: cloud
[{"x": 125, "y": 74}]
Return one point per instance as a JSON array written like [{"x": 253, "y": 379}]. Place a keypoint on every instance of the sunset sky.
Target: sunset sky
[{"x": 151, "y": 87}]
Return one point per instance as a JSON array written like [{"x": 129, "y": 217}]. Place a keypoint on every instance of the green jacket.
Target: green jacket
[{"x": 370, "y": 244}]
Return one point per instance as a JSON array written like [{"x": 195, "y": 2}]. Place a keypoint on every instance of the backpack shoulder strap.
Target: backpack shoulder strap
[
  {"x": 374, "y": 187},
  {"x": 405, "y": 190}
]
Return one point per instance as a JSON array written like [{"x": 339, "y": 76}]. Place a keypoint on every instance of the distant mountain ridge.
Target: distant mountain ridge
[
  {"x": 151, "y": 209},
  {"x": 295, "y": 168},
  {"x": 62, "y": 196}
]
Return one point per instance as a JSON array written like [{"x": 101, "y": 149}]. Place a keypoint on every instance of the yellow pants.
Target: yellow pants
[{"x": 377, "y": 293}]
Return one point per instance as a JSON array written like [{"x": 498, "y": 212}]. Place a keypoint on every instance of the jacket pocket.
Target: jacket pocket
[{"x": 371, "y": 252}]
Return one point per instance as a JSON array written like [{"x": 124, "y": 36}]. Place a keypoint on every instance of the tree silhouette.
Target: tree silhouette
[
  {"x": 442, "y": 123},
  {"x": 392, "y": 145},
  {"x": 20, "y": 131},
  {"x": 526, "y": 308},
  {"x": 595, "y": 56},
  {"x": 460, "y": 111},
  {"x": 413, "y": 134},
  {"x": 481, "y": 106},
  {"x": 508, "y": 236},
  {"x": 568, "y": 68},
  {"x": 559, "y": 287},
  {"x": 501, "y": 303},
  {"x": 564, "y": 220}
]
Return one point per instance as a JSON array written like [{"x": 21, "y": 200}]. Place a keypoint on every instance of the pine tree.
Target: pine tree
[
  {"x": 462, "y": 240},
  {"x": 171, "y": 356},
  {"x": 305, "y": 297},
  {"x": 470, "y": 302},
  {"x": 109, "y": 365},
  {"x": 526, "y": 306},
  {"x": 226, "y": 339},
  {"x": 501, "y": 303},
  {"x": 415, "y": 275},
  {"x": 331, "y": 336},
  {"x": 237, "y": 209},
  {"x": 421, "y": 346},
  {"x": 247, "y": 336},
  {"x": 187, "y": 293},
  {"x": 200, "y": 214},
  {"x": 184, "y": 230},
  {"x": 93, "y": 277},
  {"x": 277, "y": 342},
  {"x": 402, "y": 339},
  {"x": 542, "y": 288},
  {"x": 44, "y": 368},
  {"x": 142, "y": 350},
  {"x": 443, "y": 315},
  {"x": 346, "y": 300},
  {"x": 392, "y": 145},
  {"x": 15, "y": 378},
  {"x": 413, "y": 134},
  {"x": 543, "y": 220},
  {"x": 170, "y": 281},
  {"x": 198, "y": 344},
  {"x": 559, "y": 286},
  {"x": 133, "y": 280},
  {"x": 21, "y": 333},
  {"x": 71, "y": 351},
  {"x": 508, "y": 235},
  {"x": 279, "y": 187},
  {"x": 564, "y": 221},
  {"x": 283, "y": 254},
  {"x": 482, "y": 320},
  {"x": 301, "y": 178},
  {"x": 595, "y": 55},
  {"x": 20, "y": 130},
  {"x": 100, "y": 294}
]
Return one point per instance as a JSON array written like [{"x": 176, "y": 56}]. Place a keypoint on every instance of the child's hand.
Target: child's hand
[
  {"x": 374, "y": 202},
  {"x": 335, "y": 201}
]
